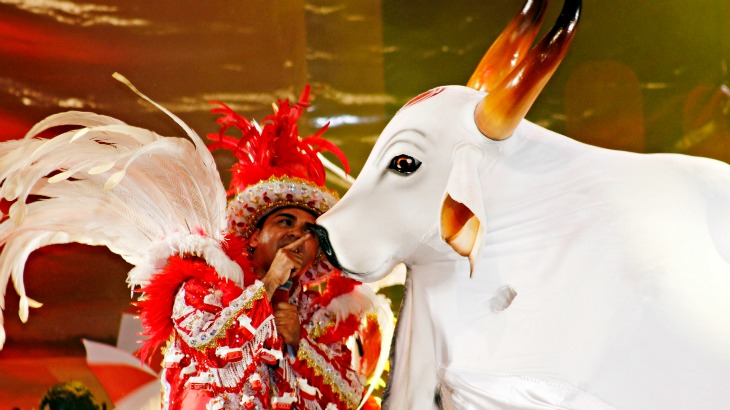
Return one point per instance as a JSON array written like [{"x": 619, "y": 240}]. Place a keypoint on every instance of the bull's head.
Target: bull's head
[{"x": 422, "y": 179}]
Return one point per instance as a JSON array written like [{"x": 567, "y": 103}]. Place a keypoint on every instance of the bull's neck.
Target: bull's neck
[{"x": 432, "y": 249}]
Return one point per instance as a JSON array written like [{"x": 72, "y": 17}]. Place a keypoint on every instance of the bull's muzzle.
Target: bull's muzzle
[{"x": 325, "y": 245}]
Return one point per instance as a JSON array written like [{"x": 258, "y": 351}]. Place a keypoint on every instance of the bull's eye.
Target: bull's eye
[{"x": 404, "y": 164}]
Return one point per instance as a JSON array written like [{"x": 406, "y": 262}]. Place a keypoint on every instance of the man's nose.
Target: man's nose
[{"x": 297, "y": 231}]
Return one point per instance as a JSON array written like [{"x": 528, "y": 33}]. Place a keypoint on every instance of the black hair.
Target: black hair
[{"x": 72, "y": 395}]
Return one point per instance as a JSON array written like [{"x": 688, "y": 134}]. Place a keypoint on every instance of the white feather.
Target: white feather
[
  {"x": 61, "y": 176},
  {"x": 114, "y": 180},
  {"x": 144, "y": 196},
  {"x": 101, "y": 168},
  {"x": 84, "y": 119},
  {"x": 78, "y": 135}
]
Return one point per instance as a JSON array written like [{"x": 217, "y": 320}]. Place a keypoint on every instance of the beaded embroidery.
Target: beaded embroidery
[
  {"x": 249, "y": 205},
  {"x": 348, "y": 392},
  {"x": 317, "y": 329},
  {"x": 206, "y": 338}
]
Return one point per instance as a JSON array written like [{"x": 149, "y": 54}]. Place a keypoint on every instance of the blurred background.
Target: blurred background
[{"x": 641, "y": 75}]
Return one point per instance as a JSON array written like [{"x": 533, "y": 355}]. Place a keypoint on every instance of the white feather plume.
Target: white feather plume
[{"x": 144, "y": 196}]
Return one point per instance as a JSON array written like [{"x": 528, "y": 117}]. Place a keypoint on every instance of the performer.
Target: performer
[
  {"x": 250, "y": 314},
  {"x": 235, "y": 347}
]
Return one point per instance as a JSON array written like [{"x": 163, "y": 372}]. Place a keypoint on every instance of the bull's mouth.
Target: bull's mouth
[{"x": 326, "y": 246}]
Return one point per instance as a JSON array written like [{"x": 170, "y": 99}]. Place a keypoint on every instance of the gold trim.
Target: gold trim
[
  {"x": 319, "y": 328},
  {"x": 220, "y": 332},
  {"x": 339, "y": 385}
]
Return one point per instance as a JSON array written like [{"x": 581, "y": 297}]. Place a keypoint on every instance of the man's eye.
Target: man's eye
[{"x": 404, "y": 164}]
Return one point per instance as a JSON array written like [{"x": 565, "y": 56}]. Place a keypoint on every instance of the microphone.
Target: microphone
[{"x": 281, "y": 294}]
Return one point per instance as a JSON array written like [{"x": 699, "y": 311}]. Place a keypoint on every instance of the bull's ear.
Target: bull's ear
[{"x": 462, "y": 210}]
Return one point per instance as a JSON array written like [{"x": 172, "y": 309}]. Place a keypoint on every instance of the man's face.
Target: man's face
[{"x": 280, "y": 228}]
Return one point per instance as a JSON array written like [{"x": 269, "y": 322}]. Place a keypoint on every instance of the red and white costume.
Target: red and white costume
[
  {"x": 224, "y": 352},
  {"x": 223, "y": 349}
]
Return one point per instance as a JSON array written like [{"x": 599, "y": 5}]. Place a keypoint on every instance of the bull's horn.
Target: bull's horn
[
  {"x": 499, "y": 113},
  {"x": 510, "y": 47}
]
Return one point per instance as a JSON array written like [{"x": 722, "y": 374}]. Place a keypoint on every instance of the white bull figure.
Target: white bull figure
[{"x": 543, "y": 273}]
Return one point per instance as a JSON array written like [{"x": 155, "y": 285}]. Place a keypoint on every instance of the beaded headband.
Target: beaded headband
[{"x": 258, "y": 200}]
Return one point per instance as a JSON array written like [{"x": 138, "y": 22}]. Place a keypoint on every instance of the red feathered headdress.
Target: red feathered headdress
[
  {"x": 276, "y": 150},
  {"x": 276, "y": 167}
]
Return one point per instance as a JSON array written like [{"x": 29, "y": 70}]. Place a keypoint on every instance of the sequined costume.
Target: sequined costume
[{"x": 224, "y": 353}]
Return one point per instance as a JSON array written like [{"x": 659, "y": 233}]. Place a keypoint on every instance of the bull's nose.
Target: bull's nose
[{"x": 324, "y": 243}]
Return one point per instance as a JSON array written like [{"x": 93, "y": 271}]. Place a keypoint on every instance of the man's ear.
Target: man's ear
[
  {"x": 462, "y": 210},
  {"x": 253, "y": 241}
]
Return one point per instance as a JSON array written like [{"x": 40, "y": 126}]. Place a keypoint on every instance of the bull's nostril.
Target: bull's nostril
[{"x": 324, "y": 243}]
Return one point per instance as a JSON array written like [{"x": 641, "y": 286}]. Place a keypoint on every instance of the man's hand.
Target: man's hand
[
  {"x": 286, "y": 263},
  {"x": 286, "y": 319}
]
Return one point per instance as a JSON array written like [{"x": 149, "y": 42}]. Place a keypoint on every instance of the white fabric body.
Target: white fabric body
[{"x": 620, "y": 263}]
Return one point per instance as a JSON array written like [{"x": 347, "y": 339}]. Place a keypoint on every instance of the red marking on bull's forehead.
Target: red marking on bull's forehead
[{"x": 424, "y": 96}]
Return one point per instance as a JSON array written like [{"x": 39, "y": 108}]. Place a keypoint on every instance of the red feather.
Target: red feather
[
  {"x": 277, "y": 150},
  {"x": 156, "y": 307}
]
